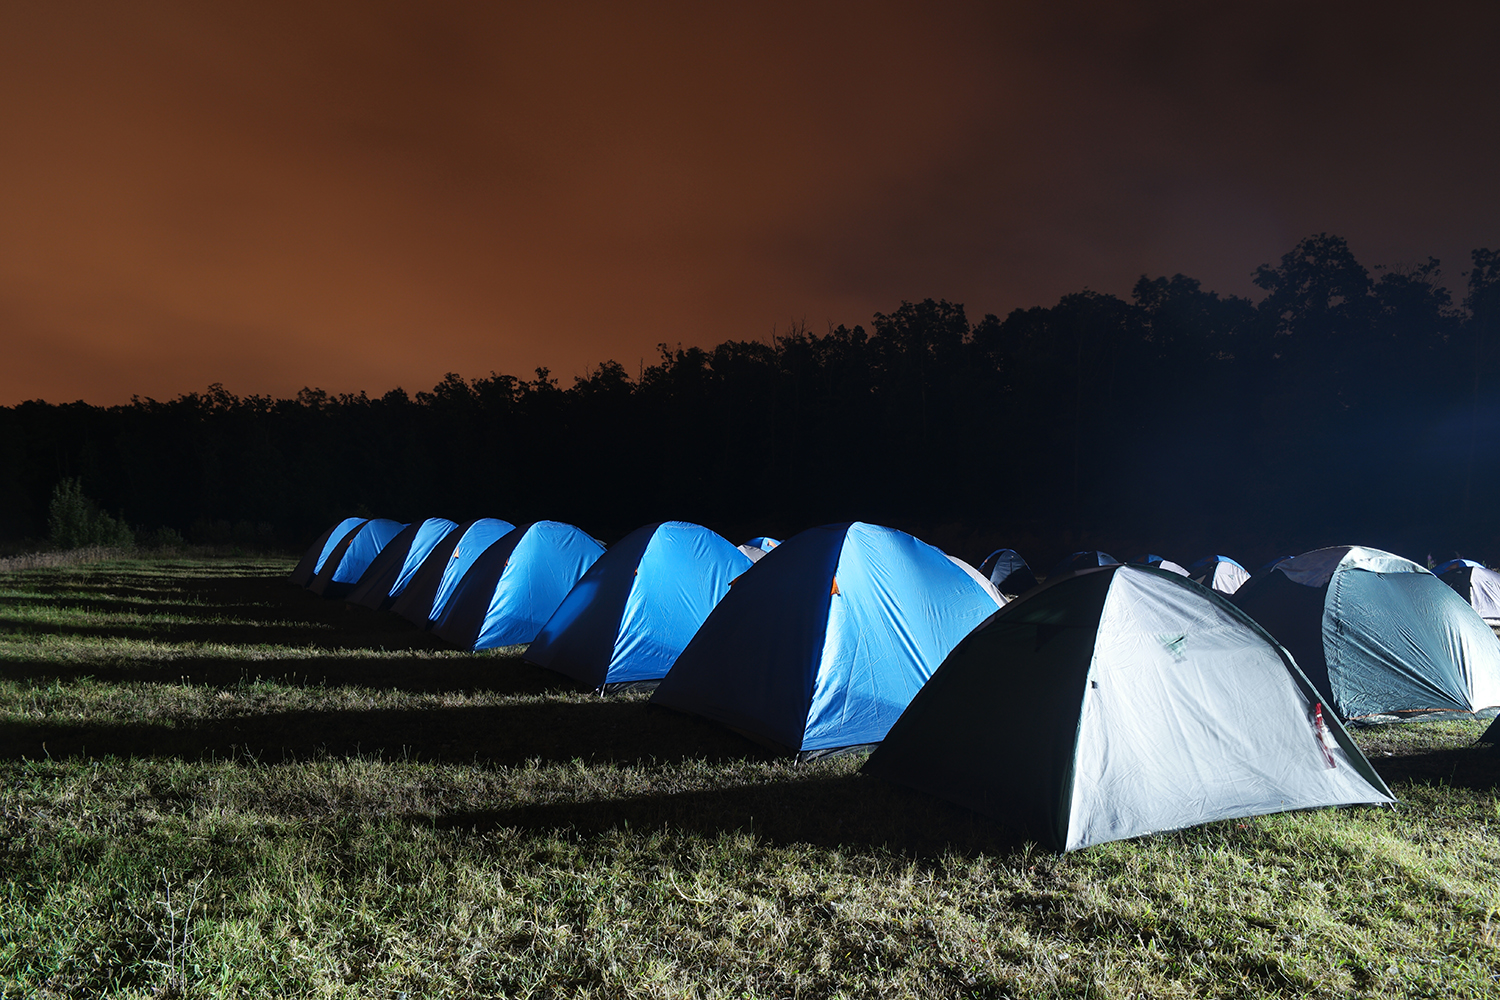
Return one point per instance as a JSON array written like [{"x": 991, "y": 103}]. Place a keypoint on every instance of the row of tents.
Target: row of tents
[{"x": 1110, "y": 701}]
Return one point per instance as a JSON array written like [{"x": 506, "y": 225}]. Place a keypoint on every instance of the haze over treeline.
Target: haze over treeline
[{"x": 1346, "y": 404}]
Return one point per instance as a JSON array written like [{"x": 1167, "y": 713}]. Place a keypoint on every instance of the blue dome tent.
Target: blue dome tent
[
  {"x": 1008, "y": 571},
  {"x": 386, "y": 577},
  {"x": 312, "y": 559},
  {"x": 635, "y": 610},
  {"x": 422, "y": 600},
  {"x": 1379, "y": 635},
  {"x": 506, "y": 593},
  {"x": 827, "y": 640},
  {"x": 352, "y": 556}
]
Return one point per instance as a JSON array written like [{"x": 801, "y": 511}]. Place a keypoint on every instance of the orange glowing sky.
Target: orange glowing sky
[{"x": 364, "y": 195}]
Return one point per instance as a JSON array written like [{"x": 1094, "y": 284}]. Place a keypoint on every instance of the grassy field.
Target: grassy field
[{"x": 213, "y": 784}]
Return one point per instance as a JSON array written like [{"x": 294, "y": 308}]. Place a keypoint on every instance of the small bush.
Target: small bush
[
  {"x": 160, "y": 538},
  {"x": 74, "y": 521}
]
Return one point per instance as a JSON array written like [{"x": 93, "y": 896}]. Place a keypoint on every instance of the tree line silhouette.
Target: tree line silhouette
[{"x": 1343, "y": 406}]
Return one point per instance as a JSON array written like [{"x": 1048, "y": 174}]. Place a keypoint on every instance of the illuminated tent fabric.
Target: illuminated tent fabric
[
  {"x": 756, "y": 548},
  {"x": 506, "y": 593},
  {"x": 1219, "y": 573},
  {"x": 1377, "y": 634},
  {"x": 1475, "y": 584},
  {"x": 422, "y": 600},
  {"x": 822, "y": 645},
  {"x": 980, "y": 579},
  {"x": 1119, "y": 702},
  {"x": 386, "y": 577},
  {"x": 1082, "y": 560},
  {"x": 352, "y": 556},
  {"x": 1160, "y": 562},
  {"x": 312, "y": 559},
  {"x": 632, "y": 614},
  {"x": 1008, "y": 571}
]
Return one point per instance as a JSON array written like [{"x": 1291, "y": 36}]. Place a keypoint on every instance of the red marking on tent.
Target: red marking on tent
[{"x": 1320, "y": 729}]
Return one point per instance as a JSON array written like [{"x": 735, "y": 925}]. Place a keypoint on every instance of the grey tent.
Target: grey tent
[
  {"x": 1161, "y": 562},
  {"x": 1475, "y": 584},
  {"x": 1219, "y": 573},
  {"x": 1118, "y": 702},
  {"x": 1379, "y": 635}
]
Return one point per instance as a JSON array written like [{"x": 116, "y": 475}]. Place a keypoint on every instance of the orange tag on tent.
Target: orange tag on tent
[{"x": 835, "y": 591}]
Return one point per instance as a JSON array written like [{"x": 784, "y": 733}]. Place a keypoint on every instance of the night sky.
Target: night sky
[{"x": 365, "y": 195}]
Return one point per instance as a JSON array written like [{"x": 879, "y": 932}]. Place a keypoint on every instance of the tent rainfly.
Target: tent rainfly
[
  {"x": 1150, "y": 704},
  {"x": 506, "y": 593},
  {"x": 1008, "y": 571},
  {"x": 823, "y": 645},
  {"x": 1160, "y": 562},
  {"x": 1082, "y": 560},
  {"x": 422, "y": 601},
  {"x": 312, "y": 560},
  {"x": 386, "y": 577},
  {"x": 634, "y": 611},
  {"x": 352, "y": 556},
  {"x": 756, "y": 548},
  {"x": 1475, "y": 584},
  {"x": 1219, "y": 573},
  {"x": 1378, "y": 635}
]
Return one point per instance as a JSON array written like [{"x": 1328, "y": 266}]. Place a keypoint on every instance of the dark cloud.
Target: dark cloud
[{"x": 364, "y": 195}]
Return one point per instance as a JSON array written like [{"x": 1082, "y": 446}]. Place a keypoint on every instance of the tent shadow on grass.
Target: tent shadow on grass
[
  {"x": 311, "y": 634},
  {"x": 855, "y": 810},
  {"x": 1475, "y": 767},
  {"x": 845, "y": 811},
  {"x": 594, "y": 730},
  {"x": 391, "y": 671}
]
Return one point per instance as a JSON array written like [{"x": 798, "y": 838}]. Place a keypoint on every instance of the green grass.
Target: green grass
[{"x": 213, "y": 784}]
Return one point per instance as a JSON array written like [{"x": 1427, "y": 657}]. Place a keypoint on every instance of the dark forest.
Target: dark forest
[{"x": 1347, "y": 405}]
